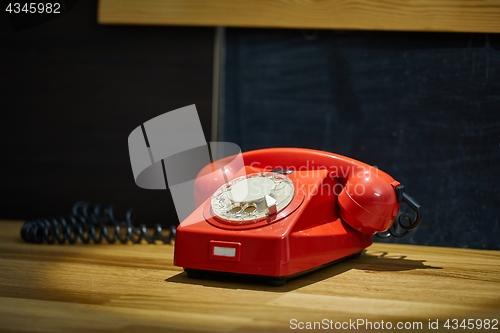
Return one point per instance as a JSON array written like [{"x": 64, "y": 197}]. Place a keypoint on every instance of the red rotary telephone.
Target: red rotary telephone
[{"x": 288, "y": 211}]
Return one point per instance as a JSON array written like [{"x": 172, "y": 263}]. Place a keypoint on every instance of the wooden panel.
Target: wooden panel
[
  {"x": 136, "y": 288},
  {"x": 416, "y": 15}
]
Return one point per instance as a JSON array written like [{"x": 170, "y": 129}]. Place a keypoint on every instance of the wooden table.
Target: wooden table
[{"x": 136, "y": 288}]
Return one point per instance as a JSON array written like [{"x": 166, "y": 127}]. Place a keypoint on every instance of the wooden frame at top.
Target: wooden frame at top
[{"x": 395, "y": 15}]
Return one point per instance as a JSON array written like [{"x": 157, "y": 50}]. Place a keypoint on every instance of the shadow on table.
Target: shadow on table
[{"x": 380, "y": 261}]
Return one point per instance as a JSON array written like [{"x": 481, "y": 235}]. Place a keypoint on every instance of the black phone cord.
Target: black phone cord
[{"x": 89, "y": 222}]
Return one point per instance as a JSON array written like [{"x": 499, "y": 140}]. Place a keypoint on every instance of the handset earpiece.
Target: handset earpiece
[{"x": 370, "y": 203}]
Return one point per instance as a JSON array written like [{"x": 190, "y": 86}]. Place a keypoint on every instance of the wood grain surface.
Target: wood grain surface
[
  {"x": 415, "y": 15},
  {"x": 132, "y": 288}
]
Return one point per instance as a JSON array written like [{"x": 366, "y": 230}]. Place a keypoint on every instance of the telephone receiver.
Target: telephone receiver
[{"x": 289, "y": 211}]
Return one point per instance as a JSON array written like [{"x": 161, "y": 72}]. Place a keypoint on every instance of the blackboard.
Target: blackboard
[{"x": 424, "y": 107}]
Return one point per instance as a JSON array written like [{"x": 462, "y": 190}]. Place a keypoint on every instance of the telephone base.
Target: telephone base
[
  {"x": 306, "y": 235},
  {"x": 275, "y": 281}
]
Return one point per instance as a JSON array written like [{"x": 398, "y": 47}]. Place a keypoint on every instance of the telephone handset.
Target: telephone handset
[{"x": 288, "y": 211}]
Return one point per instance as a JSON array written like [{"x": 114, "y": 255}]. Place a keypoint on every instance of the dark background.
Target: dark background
[
  {"x": 424, "y": 107},
  {"x": 421, "y": 106},
  {"x": 71, "y": 92}
]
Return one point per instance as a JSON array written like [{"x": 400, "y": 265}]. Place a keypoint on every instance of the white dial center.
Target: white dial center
[
  {"x": 251, "y": 189},
  {"x": 251, "y": 198}
]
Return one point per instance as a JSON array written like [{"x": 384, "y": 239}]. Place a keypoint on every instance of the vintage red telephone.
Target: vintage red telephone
[{"x": 286, "y": 212}]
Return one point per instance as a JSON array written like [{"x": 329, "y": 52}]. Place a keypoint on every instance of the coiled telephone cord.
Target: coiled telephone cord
[
  {"x": 405, "y": 223},
  {"x": 89, "y": 222}
]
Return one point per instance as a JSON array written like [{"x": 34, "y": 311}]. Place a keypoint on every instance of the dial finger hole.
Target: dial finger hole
[
  {"x": 235, "y": 210},
  {"x": 250, "y": 209}
]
